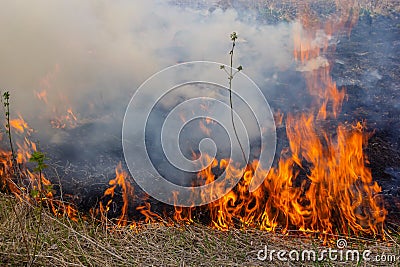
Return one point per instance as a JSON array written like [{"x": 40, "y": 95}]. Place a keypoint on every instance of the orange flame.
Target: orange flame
[
  {"x": 69, "y": 120},
  {"x": 19, "y": 125},
  {"x": 42, "y": 95},
  {"x": 23, "y": 183},
  {"x": 127, "y": 191},
  {"x": 64, "y": 117},
  {"x": 321, "y": 183}
]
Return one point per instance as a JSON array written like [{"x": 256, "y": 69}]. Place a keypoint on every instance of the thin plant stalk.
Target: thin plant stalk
[
  {"x": 231, "y": 75},
  {"x": 6, "y": 97}
]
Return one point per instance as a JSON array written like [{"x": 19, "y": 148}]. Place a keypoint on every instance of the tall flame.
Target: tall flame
[{"x": 321, "y": 183}]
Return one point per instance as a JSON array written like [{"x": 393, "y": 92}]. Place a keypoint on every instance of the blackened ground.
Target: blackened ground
[{"x": 368, "y": 66}]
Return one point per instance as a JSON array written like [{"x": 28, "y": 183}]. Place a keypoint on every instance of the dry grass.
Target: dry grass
[{"x": 85, "y": 243}]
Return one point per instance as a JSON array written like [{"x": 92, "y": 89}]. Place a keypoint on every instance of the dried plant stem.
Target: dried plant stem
[
  {"x": 6, "y": 103},
  {"x": 6, "y": 97},
  {"x": 233, "y": 37}
]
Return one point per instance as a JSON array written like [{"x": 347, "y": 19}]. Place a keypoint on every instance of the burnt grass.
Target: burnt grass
[{"x": 366, "y": 64}]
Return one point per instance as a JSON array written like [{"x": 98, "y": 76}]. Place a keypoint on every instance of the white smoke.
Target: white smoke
[{"x": 93, "y": 53}]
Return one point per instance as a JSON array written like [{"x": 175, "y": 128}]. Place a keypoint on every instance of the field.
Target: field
[{"x": 78, "y": 209}]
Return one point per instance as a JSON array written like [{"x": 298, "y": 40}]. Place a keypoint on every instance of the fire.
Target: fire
[
  {"x": 19, "y": 125},
  {"x": 204, "y": 128},
  {"x": 69, "y": 120},
  {"x": 321, "y": 183},
  {"x": 127, "y": 192},
  {"x": 278, "y": 118},
  {"x": 149, "y": 216},
  {"x": 26, "y": 185},
  {"x": 63, "y": 116},
  {"x": 42, "y": 95}
]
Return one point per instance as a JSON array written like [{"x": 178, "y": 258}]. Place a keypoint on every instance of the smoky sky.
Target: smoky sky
[{"x": 91, "y": 56}]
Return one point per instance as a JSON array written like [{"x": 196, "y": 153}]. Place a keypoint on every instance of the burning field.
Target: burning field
[{"x": 75, "y": 187}]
